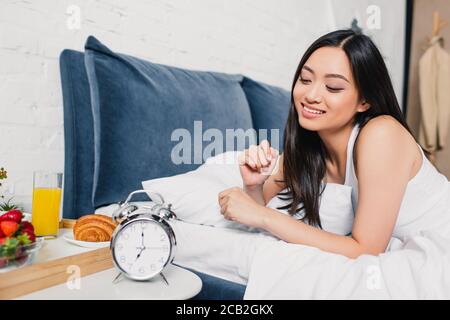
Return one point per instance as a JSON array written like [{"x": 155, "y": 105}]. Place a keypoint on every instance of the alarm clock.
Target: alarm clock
[{"x": 143, "y": 243}]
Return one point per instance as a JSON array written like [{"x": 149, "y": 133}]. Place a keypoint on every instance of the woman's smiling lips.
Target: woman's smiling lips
[{"x": 311, "y": 113}]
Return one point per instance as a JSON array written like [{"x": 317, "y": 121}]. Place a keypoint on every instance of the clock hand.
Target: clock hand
[
  {"x": 142, "y": 238},
  {"x": 139, "y": 254},
  {"x": 143, "y": 245}
]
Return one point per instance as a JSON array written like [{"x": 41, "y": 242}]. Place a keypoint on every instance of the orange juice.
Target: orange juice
[{"x": 45, "y": 211}]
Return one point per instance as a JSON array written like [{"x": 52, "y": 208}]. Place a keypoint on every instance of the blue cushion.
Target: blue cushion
[
  {"x": 78, "y": 136},
  {"x": 269, "y": 107},
  {"x": 137, "y": 105}
]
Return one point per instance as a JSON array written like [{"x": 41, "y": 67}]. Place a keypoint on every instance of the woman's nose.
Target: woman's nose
[{"x": 313, "y": 95}]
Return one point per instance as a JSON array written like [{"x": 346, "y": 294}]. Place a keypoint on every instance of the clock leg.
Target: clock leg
[
  {"x": 117, "y": 278},
  {"x": 164, "y": 278}
]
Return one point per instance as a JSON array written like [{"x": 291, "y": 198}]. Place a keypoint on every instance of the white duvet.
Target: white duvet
[{"x": 416, "y": 267}]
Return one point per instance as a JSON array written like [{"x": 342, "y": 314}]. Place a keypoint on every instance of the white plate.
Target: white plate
[{"x": 87, "y": 244}]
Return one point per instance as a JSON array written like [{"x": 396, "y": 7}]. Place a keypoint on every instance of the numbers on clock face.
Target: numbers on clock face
[
  {"x": 132, "y": 228},
  {"x": 142, "y": 248}
]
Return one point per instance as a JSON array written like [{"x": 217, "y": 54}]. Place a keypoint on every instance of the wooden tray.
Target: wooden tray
[
  {"x": 47, "y": 274},
  {"x": 67, "y": 223}
]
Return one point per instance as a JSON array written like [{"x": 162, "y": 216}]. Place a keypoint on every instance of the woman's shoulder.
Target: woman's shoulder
[
  {"x": 382, "y": 123},
  {"x": 385, "y": 134},
  {"x": 387, "y": 130}
]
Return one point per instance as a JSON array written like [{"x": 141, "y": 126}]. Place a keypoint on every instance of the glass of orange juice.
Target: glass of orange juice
[{"x": 46, "y": 205}]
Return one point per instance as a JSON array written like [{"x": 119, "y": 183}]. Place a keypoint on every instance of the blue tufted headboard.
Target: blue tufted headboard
[
  {"x": 268, "y": 107},
  {"x": 78, "y": 136}
]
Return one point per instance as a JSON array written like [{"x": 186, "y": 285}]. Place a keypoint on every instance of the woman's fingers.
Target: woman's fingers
[
  {"x": 223, "y": 199},
  {"x": 265, "y": 146},
  {"x": 272, "y": 168},
  {"x": 225, "y": 193},
  {"x": 257, "y": 157},
  {"x": 244, "y": 159},
  {"x": 274, "y": 153},
  {"x": 253, "y": 157},
  {"x": 263, "y": 153}
]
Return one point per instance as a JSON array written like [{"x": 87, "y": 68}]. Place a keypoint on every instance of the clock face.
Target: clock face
[{"x": 142, "y": 248}]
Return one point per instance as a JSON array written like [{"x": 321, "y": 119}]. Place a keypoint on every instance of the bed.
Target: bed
[{"x": 119, "y": 116}]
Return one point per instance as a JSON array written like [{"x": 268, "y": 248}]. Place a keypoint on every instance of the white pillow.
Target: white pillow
[
  {"x": 336, "y": 209},
  {"x": 194, "y": 194}
]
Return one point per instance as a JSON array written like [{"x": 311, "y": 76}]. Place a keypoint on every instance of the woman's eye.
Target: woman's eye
[
  {"x": 334, "y": 89},
  {"x": 304, "y": 81}
]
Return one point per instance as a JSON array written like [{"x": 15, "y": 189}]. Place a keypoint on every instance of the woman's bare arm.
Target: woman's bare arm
[{"x": 385, "y": 161}]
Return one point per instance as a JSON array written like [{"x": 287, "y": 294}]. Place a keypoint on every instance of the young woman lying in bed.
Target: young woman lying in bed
[{"x": 341, "y": 88}]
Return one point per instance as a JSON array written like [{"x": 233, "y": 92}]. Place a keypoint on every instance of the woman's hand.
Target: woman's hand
[
  {"x": 237, "y": 205},
  {"x": 257, "y": 163}
]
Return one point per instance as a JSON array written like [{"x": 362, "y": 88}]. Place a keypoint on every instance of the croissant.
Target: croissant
[{"x": 94, "y": 228}]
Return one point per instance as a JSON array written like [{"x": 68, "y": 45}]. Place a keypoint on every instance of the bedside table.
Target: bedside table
[{"x": 183, "y": 284}]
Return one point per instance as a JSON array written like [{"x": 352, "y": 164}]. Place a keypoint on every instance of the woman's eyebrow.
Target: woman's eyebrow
[{"x": 328, "y": 75}]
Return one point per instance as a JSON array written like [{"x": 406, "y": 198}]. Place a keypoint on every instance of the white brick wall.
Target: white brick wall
[{"x": 263, "y": 39}]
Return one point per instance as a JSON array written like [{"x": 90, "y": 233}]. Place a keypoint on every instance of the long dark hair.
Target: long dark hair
[{"x": 304, "y": 152}]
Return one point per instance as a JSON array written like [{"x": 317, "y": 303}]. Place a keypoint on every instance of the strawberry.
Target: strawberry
[
  {"x": 9, "y": 227},
  {"x": 1, "y": 234},
  {"x": 12, "y": 215},
  {"x": 30, "y": 234},
  {"x": 26, "y": 225},
  {"x": 2, "y": 241}
]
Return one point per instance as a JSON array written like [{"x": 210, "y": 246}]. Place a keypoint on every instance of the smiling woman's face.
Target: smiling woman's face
[{"x": 326, "y": 83}]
